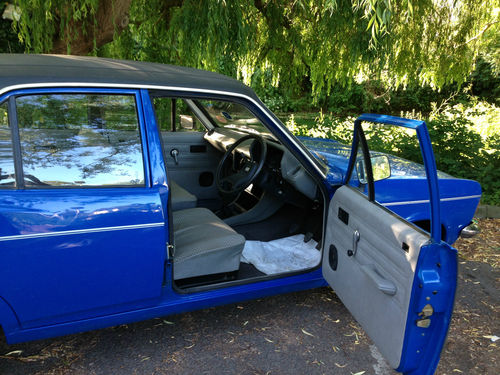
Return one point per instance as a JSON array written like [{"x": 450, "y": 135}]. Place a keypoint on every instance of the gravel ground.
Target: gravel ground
[{"x": 307, "y": 332}]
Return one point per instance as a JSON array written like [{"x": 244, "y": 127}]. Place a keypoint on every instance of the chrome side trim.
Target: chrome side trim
[
  {"x": 160, "y": 87},
  {"x": 427, "y": 200},
  {"x": 79, "y": 231},
  {"x": 460, "y": 198}
]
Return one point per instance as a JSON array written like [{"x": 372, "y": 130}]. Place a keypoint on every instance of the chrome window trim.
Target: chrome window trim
[
  {"x": 80, "y": 231},
  {"x": 170, "y": 88}
]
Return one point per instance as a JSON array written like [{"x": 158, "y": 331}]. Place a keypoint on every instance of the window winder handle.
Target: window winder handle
[
  {"x": 355, "y": 240},
  {"x": 174, "y": 153}
]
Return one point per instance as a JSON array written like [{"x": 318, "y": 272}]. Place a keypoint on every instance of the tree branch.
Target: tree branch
[{"x": 485, "y": 28}]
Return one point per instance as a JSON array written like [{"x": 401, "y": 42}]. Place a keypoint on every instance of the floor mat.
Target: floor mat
[
  {"x": 247, "y": 271},
  {"x": 282, "y": 255},
  {"x": 286, "y": 222}
]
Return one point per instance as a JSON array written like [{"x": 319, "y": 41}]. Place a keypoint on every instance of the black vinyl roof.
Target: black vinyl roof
[{"x": 16, "y": 69}]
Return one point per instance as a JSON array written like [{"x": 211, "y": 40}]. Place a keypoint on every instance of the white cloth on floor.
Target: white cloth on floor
[{"x": 281, "y": 255}]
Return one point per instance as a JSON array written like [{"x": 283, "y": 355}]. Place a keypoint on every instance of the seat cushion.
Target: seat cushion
[
  {"x": 204, "y": 244},
  {"x": 181, "y": 198}
]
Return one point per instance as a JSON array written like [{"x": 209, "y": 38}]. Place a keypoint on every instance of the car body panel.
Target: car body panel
[
  {"x": 77, "y": 228},
  {"x": 173, "y": 302}
]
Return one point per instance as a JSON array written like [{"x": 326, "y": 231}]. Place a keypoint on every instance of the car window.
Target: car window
[
  {"x": 233, "y": 115},
  {"x": 80, "y": 140},
  {"x": 7, "y": 175},
  {"x": 185, "y": 119}
]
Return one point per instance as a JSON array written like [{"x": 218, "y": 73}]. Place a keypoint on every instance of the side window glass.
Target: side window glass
[
  {"x": 391, "y": 149},
  {"x": 7, "y": 175},
  {"x": 80, "y": 140},
  {"x": 175, "y": 115}
]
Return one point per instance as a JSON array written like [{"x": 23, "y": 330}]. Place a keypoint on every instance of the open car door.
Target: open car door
[{"x": 396, "y": 280}]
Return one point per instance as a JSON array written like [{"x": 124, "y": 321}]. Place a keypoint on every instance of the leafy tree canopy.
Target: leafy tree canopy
[{"x": 329, "y": 42}]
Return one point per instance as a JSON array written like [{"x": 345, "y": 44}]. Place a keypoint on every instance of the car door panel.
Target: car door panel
[
  {"x": 397, "y": 281},
  {"x": 196, "y": 162},
  {"x": 72, "y": 254},
  {"x": 363, "y": 281},
  {"x": 82, "y": 234}
]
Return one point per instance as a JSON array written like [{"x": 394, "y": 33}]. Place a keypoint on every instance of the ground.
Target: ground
[{"x": 307, "y": 332}]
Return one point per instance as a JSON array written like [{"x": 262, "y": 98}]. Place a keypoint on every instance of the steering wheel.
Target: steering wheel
[{"x": 234, "y": 178}]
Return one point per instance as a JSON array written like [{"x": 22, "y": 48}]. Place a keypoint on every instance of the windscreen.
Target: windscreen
[{"x": 233, "y": 115}]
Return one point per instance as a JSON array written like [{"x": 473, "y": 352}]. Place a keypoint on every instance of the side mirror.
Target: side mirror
[
  {"x": 187, "y": 122},
  {"x": 380, "y": 166}
]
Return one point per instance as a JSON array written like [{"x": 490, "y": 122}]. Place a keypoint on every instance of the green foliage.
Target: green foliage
[
  {"x": 321, "y": 126},
  {"x": 9, "y": 42},
  {"x": 213, "y": 35},
  {"x": 42, "y": 20},
  {"x": 466, "y": 141},
  {"x": 310, "y": 46},
  {"x": 486, "y": 81},
  {"x": 356, "y": 98},
  {"x": 277, "y": 96},
  {"x": 490, "y": 49}
]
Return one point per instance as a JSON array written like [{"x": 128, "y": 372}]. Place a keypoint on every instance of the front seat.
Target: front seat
[
  {"x": 180, "y": 197},
  {"x": 204, "y": 244}
]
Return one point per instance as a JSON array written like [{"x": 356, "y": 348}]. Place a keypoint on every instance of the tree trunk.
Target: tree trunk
[{"x": 82, "y": 36}]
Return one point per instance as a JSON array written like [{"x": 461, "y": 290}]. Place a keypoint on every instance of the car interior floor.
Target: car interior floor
[{"x": 287, "y": 221}]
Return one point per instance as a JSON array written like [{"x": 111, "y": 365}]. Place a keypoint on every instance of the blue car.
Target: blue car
[{"x": 132, "y": 190}]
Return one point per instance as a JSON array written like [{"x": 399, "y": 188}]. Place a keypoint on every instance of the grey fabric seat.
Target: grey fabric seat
[
  {"x": 181, "y": 198},
  {"x": 204, "y": 244}
]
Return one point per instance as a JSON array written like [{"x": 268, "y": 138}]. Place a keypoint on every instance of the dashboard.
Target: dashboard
[{"x": 282, "y": 173}]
